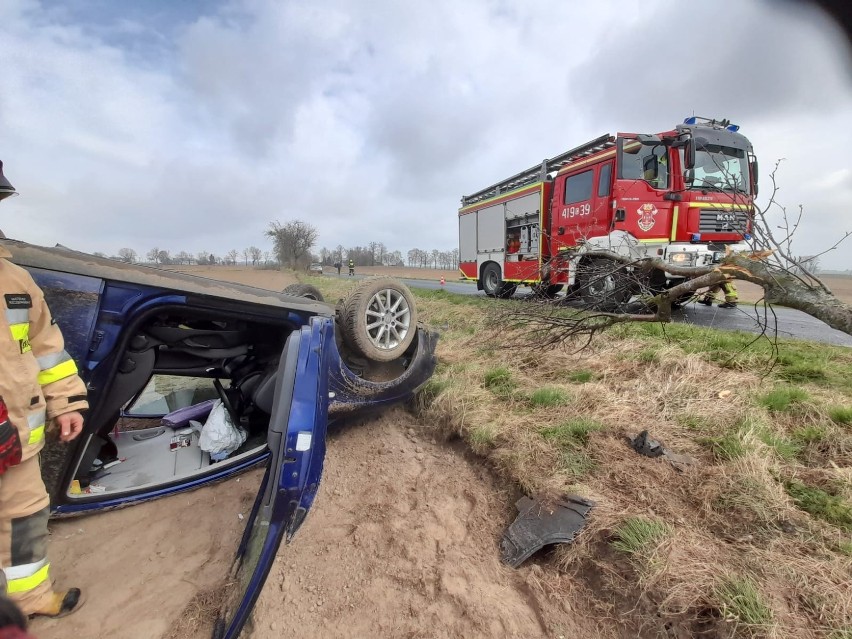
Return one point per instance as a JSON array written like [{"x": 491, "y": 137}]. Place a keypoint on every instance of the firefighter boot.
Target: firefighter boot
[
  {"x": 728, "y": 305},
  {"x": 61, "y": 604},
  {"x": 707, "y": 301}
]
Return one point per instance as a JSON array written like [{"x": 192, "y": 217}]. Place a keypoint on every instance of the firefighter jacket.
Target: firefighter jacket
[{"x": 38, "y": 378}]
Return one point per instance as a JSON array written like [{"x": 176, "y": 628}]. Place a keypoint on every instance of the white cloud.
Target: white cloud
[{"x": 371, "y": 119}]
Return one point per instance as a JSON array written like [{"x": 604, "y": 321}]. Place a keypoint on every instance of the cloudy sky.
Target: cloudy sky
[{"x": 191, "y": 125}]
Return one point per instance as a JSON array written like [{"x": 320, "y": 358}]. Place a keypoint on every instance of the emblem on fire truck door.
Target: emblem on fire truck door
[{"x": 646, "y": 216}]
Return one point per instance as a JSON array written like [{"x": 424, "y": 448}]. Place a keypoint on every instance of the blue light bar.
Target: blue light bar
[
  {"x": 733, "y": 127},
  {"x": 691, "y": 120},
  {"x": 746, "y": 236},
  {"x": 696, "y": 237}
]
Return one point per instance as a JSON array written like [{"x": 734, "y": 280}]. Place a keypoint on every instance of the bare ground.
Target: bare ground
[
  {"x": 403, "y": 541},
  {"x": 138, "y": 567}
]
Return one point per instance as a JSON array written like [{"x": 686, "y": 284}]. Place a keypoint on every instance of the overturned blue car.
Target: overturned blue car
[{"x": 161, "y": 352}]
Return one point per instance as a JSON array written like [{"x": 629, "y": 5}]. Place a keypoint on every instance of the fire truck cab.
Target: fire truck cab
[{"x": 685, "y": 195}]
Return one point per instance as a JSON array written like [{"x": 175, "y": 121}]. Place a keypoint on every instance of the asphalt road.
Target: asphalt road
[{"x": 746, "y": 317}]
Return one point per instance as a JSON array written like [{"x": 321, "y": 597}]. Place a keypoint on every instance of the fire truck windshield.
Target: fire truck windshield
[{"x": 721, "y": 168}]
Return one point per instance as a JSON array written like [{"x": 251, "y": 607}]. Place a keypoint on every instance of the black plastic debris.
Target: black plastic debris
[
  {"x": 644, "y": 445},
  {"x": 540, "y": 524}
]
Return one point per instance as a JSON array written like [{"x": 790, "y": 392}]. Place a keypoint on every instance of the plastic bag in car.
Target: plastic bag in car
[{"x": 219, "y": 435}]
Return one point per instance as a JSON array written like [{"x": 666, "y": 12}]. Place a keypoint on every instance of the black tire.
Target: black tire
[
  {"x": 390, "y": 305},
  {"x": 602, "y": 284},
  {"x": 546, "y": 291},
  {"x": 507, "y": 290},
  {"x": 304, "y": 290},
  {"x": 492, "y": 281}
]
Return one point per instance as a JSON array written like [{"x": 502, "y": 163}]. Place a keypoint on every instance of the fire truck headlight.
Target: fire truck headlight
[{"x": 681, "y": 259}]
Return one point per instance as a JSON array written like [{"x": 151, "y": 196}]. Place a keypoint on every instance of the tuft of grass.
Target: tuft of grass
[
  {"x": 431, "y": 389},
  {"x": 640, "y": 535},
  {"x": 843, "y": 633},
  {"x": 571, "y": 437},
  {"x": 573, "y": 433},
  {"x": 696, "y": 422},
  {"x": 781, "y": 399},
  {"x": 648, "y": 356},
  {"x": 844, "y": 548},
  {"x": 820, "y": 504},
  {"x": 810, "y": 434},
  {"x": 581, "y": 377},
  {"x": 726, "y": 447},
  {"x": 575, "y": 462},
  {"x": 841, "y": 414},
  {"x": 783, "y": 447},
  {"x": 804, "y": 372},
  {"x": 499, "y": 381},
  {"x": 482, "y": 437},
  {"x": 549, "y": 396},
  {"x": 742, "y": 600}
]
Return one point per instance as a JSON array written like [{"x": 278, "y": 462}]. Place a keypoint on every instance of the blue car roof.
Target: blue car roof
[{"x": 67, "y": 260}]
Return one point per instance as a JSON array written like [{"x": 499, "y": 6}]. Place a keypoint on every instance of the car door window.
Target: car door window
[{"x": 166, "y": 393}]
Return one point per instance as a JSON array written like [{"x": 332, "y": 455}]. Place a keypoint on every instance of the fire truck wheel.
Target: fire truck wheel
[
  {"x": 507, "y": 290},
  {"x": 547, "y": 291},
  {"x": 378, "y": 319},
  {"x": 602, "y": 284},
  {"x": 304, "y": 290},
  {"x": 492, "y": 281}
]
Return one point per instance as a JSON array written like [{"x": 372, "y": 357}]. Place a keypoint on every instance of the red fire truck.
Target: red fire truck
[{"x": 684, "y": 195}]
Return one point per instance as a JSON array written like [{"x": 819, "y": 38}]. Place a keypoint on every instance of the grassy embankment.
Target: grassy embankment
[{"x": 753, "y": 539}]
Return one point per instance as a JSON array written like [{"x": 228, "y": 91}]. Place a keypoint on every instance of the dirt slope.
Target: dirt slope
[
  {"x": 138, "y": 567},
  {"x": 403, "y": 541}
]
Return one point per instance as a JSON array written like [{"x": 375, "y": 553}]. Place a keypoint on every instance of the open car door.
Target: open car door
[{"x": 297, "y": 445}]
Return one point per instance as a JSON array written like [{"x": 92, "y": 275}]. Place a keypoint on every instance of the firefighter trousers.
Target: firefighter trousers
[
  {"x": 727, "y": 288},
  {"x": 24, "y": 510}
]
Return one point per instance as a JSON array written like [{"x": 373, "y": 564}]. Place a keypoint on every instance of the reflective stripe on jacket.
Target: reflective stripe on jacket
[{"x": 38, "y": 378}]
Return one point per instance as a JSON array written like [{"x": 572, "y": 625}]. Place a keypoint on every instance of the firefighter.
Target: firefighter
[
  {"x": 40, "y": 388},
  {"x": 351, "y": 266},
  {"x": 729, "y": 290}
]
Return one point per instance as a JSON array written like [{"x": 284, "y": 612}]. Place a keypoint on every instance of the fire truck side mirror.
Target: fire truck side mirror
[
  {"x": 689, "y": 176},
  {"x": 754, "y": 173},
  {"x": 689, "y": 156}
]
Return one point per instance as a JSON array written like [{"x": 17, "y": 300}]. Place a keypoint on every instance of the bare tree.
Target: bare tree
[
  {"x": 292, "y": 240},
  {"x": 127, "y": 255},
  {"x": 163, "y": 257},
  {"x": 183, "y": 258},
  {"x": 231, "y": 257},
  {"x": 256, "y": 255},
  {"x": 154, "y": 255}
]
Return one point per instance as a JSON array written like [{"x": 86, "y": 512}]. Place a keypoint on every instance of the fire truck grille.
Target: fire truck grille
[{"x": 720, "y": 221}]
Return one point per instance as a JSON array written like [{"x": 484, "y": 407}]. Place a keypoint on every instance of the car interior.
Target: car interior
[{"x": 174, "y": 368}]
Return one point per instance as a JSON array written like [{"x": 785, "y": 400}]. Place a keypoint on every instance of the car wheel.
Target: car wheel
[
  {"x": 378, "y": 319},
  {"x": 304, "y": 290}
]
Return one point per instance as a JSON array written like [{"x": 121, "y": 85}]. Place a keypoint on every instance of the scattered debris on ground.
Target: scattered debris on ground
[{"x": 542, "y": 523}]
